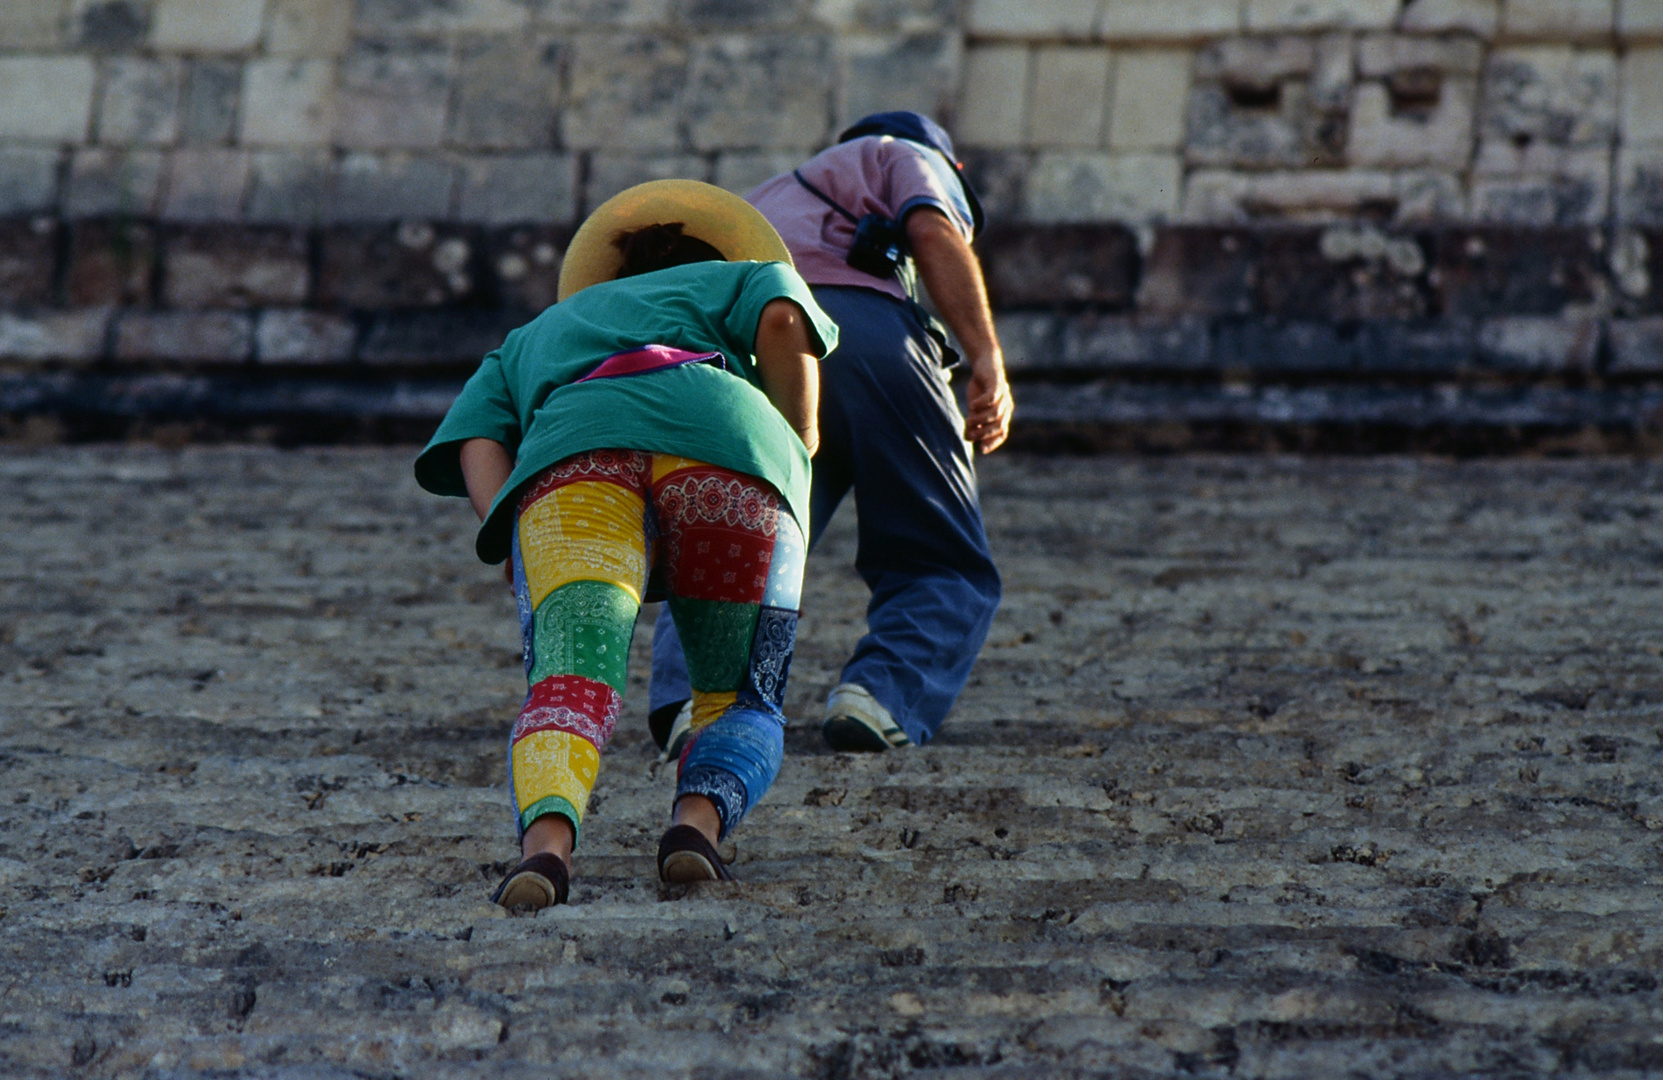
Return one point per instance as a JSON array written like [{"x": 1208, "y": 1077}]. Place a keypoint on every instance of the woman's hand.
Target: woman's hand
[{"x": 486, "y": 466}]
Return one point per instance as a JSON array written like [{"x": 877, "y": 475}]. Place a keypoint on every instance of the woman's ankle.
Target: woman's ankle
[
  {"x": 551, "y": 833},
  {"x": 699, "y": 812}
]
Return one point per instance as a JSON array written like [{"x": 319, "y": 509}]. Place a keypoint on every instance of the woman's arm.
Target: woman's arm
[
  {"x": 486, "y": 465},
  {"x": 790, "y": 373}
]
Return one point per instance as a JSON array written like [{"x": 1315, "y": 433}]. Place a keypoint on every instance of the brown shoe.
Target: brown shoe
[
  {"x": 538, "y": 882},
  {"x": 685, "y": 856}
]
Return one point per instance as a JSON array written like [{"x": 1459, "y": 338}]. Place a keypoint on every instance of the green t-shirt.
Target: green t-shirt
[{"x": 525, "y": 395}]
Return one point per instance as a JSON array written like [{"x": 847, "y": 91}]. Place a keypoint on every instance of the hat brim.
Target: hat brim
[{"x": 719, "y": 218}]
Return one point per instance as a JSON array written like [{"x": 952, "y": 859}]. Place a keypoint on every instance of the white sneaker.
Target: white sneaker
[
  {"x": 856, "y": 722},
  {"x": 679, "y": 731}
]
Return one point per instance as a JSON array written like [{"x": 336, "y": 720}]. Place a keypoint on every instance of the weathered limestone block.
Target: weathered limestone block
[
  {"x": 1059, "y": 266},
  {"x": 1252, "y": 107},
  {"x": 1273, "y": 15},
  {"x": 1640, "y": 185},
  {"x": 992, "y": 109},
  {"x": 205, "y": 185},
  {"x": 1539, "y": 343},
  {"x": 1413, "y": 119},
  {"x": 509, "y": 189},
  {"x": 111, "y": 263},
  {"x": 913, "y": 71},
  {"x": 1558, "y": 19},
  {"x": 742, "y": 170},
  {"x": 288, "y": 102},
  {"x": 235, "y": 267},
  {"x": 1636, "y": 346},
  {"x": 290, "y": 187},
  {"x": 617, "y": 14},
  {"x": 449, "y": 16},
  {"x": 428, "y": 337},
  {"x": 114, "y": 181},
  {"x": 46, "y": 98},
  {"x": 75, "y": 335},
  {"x": 885, "y": 17},
  {"x": 625, "y": 90},
  {"x": 28, "y": 259},
  {"x": 1540, "y": 184},
  {"x": 183, "y": 336},
  {"x": 741, "y": 15},
  {"x": 1151, "y": 91},
  {"x": 1000, "y": 178},
  {"x": 1038, "y": 19},
  {"x": 612, "y": 173},
  {"x": 405, "y": 266},
  {"x": 140, "y": 102},
  {"x": 1485, "y": 272},
  {"x": 1640, "y": 18},
  {"x": 212, "y": 88},
  {"x": 751, "y": 92},
  {"x": 1402, "y": 197},
  {"x": 308, "y": 28},
  {"x": 1117, "y": 343},
  {"x": 110, "y": 24},
  {"x": 1344, "y": 273},
  {"x": 1159, "y": 20},
  {"x": 1560, "y": 95},
  {"x": 1642, "y": 97},
  {"x": 1480, "y": 17},
  {"x": 28, "y": 179},
  {"x": 303, "y": 337},
  {"x": 1384, "y": 55},
  {"x": 1334, "y": 72},
  {"x": 1070, "y": 102},
  {"x": 38, "y": 24},
  {"x": 525, "y": 264},
  {"x": 507, "y": 93},
  {"x": 393, "y": 99},
  {"x": 1199, "y": 271},
  {"x": 1443, "y": 346},
  {"x": 1274, "y": 347},
  {"x": 1096, "y": 187},
  {"x": 203, "y": 26},
  {"x": 392, "y": 187}
]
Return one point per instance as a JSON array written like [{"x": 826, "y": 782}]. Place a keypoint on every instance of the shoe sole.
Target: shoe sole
[
  {"x": 527, "y": 890},
  {"x": 687, "y": 867},
  {"x": 852, "y": 736}
]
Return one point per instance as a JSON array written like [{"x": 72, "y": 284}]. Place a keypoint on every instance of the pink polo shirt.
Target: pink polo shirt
[{"x": 877, "y": 174}]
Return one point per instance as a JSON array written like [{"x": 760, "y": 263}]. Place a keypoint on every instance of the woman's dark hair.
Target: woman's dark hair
[{"x": 659, "y": 247}]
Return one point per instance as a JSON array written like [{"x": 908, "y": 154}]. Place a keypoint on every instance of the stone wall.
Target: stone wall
[{"x": 250, "y": 206}]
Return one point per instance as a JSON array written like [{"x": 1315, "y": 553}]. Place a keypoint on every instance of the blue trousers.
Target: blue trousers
[{"x": 891, "y": 430}]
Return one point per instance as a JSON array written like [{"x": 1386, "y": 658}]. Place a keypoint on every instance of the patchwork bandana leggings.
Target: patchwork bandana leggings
[{"x": 589, "y": 532}]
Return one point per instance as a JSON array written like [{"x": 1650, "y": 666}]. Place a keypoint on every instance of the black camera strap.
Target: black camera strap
[{"x": 822, "y": 196}]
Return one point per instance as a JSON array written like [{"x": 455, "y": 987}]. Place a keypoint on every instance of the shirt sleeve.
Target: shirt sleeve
[
  {"x": 920, "y": 176},
  {"x": 775, "y": 281},
  {"x": 483, "y": 410}
]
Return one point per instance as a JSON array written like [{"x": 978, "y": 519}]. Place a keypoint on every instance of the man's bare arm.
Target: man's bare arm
[
  {"x": 954, "y": 280},
  {"x": 790, "y": 373}
]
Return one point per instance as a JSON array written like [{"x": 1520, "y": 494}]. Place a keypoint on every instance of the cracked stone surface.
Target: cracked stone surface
[{"x": 1270, "y": 768}]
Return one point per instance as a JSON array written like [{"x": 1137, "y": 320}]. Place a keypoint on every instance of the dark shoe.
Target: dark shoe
[
  {"x": 685, "y": 856},
  {"x": 662, "y": 721},
  {"x": 538, "y": 882}
]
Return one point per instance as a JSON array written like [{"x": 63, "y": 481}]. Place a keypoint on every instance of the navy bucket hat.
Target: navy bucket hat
[{"x": 918, "y": 128}]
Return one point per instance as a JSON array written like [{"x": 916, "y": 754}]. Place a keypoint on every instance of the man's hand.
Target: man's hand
[
  {"x": 988, "y": 421},
  {"x": 954, "y": 280}
]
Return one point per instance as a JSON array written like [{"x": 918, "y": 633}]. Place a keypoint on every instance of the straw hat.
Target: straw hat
[{"x": 719, "y": 218}]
